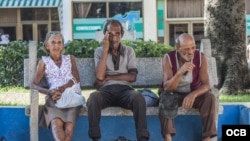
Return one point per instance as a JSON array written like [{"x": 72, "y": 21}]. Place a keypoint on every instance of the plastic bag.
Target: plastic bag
[{"x": 70, "y": 99}]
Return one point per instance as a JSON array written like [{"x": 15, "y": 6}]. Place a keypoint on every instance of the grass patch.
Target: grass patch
[
  {"x": 19, "y": 96},
  {"x": 13, "y": 89},
  {"x": 234, "y": 98}
]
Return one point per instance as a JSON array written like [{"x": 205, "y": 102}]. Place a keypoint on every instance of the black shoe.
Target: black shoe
[
  {"x": 95, "y": 139},
  {"x": 143, "y": 139},
  {"x": 122, "y": 138}
]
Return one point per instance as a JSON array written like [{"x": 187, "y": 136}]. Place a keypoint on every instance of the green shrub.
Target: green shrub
[
  {"x": 12, "y": 55},
  {"x": 81, "y": 48},
  {"x": 86, "y": 48},
  {"x": 11, "y": 60},
  {"x": 148, "y": 48}
]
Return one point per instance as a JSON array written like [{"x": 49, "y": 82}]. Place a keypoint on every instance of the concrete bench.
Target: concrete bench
[{"x": 149, "y": 76}]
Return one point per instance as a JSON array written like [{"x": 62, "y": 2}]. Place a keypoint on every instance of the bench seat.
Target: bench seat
[{"x": 117, "y": 111}]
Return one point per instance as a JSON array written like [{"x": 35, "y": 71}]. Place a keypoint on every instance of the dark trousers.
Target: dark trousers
[
  {"x": 117, "y": 95},
  {"x": 206, "y": 105}
]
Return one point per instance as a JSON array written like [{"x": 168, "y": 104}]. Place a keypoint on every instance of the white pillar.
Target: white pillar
[
  {"x": 150, "y": 20},
  {"x": 66, "y": 29},
  {"x": 33, "y": 95}
]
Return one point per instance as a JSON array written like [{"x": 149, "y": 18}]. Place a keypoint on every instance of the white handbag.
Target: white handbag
[{"x": 70, "y": 99}]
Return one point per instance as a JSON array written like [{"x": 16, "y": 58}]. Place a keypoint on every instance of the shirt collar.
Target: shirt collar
[{"x": 121, "y": 50}]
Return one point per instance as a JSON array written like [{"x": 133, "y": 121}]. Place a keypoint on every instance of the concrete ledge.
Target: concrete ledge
[{"x": 111, "y": 126}]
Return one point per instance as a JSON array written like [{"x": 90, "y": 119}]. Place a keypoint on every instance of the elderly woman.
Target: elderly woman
[{"x": 60, "y": 72}]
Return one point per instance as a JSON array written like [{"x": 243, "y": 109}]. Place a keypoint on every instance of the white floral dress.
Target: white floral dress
[{"x": 56, "y": 77}]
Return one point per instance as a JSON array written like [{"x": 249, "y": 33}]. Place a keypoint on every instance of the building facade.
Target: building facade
[
  {"x": 157, "y": 20},
  {"x": 28, "y": 19}
]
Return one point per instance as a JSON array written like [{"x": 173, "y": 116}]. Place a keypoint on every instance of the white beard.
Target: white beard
[{"x": 185, "y": 57}]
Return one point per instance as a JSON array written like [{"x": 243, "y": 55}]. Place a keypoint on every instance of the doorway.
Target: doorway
[
  {"x": 174, "y": 29},
  {"x": 35, "y": 32},
  {"x": 8, "y": 31}
]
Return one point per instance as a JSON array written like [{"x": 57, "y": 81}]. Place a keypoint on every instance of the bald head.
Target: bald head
[
  {"x": 184, "y": 37},
  {"x": 185, "y": 46}
]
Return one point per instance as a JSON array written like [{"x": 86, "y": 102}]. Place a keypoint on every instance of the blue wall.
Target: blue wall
[{"x": 14, "y": 125}]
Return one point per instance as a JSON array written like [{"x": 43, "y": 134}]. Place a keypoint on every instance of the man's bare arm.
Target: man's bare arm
[
  {"x": 170, "y": 81},
  {"x": 100, "y": 69},
  {"x": 203, "y": 75},
  {"x": 130, "y": 77}
]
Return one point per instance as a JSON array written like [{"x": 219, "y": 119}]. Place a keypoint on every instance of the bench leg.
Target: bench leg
[{"x": 34, "y": 115}]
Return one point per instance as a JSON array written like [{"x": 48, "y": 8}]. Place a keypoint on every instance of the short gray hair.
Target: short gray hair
[{"x": 48, "y": 36}]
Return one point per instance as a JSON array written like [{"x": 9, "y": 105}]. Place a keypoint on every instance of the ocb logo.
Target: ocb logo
[{"x": 236, "y": 132}]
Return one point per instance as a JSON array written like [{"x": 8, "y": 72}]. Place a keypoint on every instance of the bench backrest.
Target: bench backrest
[{"x": 149, "y": 72}]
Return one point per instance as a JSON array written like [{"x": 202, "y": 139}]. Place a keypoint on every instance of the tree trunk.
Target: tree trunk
[{"x": 225, "y": 26}]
